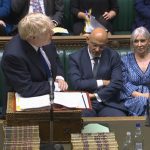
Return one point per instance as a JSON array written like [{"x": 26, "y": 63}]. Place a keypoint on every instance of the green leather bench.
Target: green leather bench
[{"x": 122, "y": 24}]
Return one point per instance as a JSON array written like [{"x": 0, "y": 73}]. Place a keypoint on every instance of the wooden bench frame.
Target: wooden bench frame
[{"x": 65, "y": 42}]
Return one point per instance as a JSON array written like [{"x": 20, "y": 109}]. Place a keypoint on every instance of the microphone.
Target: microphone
[
  {"x": 52, "y": 146},
  {"x": 51, "y": 83}
]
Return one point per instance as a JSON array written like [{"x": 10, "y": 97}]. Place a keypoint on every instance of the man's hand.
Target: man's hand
[
  {"x": 106, "y": 82},
  {"x": 137, "y": 94},
  {"x": 109, "y": 15},
  {"x": 85, "y": 16},
  {"x": 2, "y": 23},
  {"x": 62, "y": 84},
  {"x": 92, "y": 96}
]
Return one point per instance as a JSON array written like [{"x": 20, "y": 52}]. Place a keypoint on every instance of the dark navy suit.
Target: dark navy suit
[
  {"x": 98, "y": 8},
  {"x": 142, "y": 14},
  {"x": 53, "y": 8},
  {"x": 5, "y": 8},
  {"x": 81, "y": 77},
  {"x": 23, "y": 71}
]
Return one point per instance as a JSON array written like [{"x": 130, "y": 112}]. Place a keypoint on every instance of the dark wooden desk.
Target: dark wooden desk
[
  {"x": 65, "y": 121},
  {"x": 119, "y": 125}
]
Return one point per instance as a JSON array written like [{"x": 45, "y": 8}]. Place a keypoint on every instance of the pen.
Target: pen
[{"x": 83, "y": 100}]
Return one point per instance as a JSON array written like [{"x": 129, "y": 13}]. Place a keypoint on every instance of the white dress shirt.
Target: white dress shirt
[
  {"x": 100, "y": 81},
  {"x": 41, "y": 4},
  {"x": 49, "y": 65}
]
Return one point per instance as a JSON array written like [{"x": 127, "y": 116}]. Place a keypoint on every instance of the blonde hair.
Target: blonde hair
[
  {"x": 139, "y": 31},
  {"x": 34, "y": 24}
]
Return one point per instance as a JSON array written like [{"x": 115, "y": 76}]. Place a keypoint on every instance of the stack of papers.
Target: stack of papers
[
  {"x": 60, "y": 30},
  {"x": 78, "y": 100}
]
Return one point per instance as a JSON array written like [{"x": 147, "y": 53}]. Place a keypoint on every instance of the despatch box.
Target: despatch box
[{"x": 64, "y": 122}]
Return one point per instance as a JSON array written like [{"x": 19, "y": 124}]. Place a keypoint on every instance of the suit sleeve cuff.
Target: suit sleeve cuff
[
  {"x": 99, "y": 83},
  {"x": 97, "y": 97},
  {"x": 55, "y": 23},
  {"x": 59, "y": 77}
]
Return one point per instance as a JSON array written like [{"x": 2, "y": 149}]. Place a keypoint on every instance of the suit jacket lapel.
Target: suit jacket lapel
[
  {"x": 48, "y": 6},
  {"x": 86, "y": 63},
  {"x": 34, "y": 57}
]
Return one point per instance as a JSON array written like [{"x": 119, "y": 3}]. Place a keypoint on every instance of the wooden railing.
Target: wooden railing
[{"x": 65, "y": 42}]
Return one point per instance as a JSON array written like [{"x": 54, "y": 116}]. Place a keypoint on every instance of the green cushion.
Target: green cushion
[
  {"x": 68, "y": 20},
  {"x": 123, "y": 22}
]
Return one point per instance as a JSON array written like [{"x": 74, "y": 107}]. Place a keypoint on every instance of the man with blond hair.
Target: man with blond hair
[{"x": 22, "y": 61}]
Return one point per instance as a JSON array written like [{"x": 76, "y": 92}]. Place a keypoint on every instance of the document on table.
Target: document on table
[
  {"x": 60, "y": 30},
  {"x": 78, "y": 100}
]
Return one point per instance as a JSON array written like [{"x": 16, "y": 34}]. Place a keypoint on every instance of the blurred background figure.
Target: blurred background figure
[
  {"x": 136, "y": 73},
  {"x": 103, "y": 10},
  {"x": 51, "y": 8},
  {"x": 5, "y": 8},
  {"x": 142, "y": 14}
]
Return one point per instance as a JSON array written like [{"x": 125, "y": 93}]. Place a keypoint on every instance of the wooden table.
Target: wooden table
[
  {"x": 65, "y": 121},
  {"x": 118, "y": 125}
]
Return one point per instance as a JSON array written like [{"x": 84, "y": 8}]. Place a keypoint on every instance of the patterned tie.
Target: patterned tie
[
  {"x": 36, "y": 6},
  {"x": 95, "y": 68},
  {"x": 45, "y": 62}
]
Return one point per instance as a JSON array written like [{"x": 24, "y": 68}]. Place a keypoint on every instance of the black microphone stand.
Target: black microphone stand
[
  {"x": 51, "y": 145},
  {"x": 51, "y": 96}
]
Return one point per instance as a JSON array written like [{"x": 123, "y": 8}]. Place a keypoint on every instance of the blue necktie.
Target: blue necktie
[{"x": 44, "y": 63}]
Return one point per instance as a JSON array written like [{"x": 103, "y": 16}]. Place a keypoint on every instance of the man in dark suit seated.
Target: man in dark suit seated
[
  {"x": 96, "y": 69},
  {"x": 52, "y": 8},
  {"x": 30, "y": 58}
]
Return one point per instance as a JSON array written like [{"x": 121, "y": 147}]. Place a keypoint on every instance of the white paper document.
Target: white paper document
[
  {"x": 60, "y": 30},
  {"x": 68, "y": 99}
]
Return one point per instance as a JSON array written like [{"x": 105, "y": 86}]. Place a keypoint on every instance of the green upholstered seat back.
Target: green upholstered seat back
[
  {"x": 123, "y": 22},
  {"x": 62, "y": 59},
  {"x": 67, "y": 53},
  {"x": 68, "y": 20}
]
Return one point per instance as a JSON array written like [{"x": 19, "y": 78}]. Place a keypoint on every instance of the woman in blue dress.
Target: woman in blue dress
[{"x": 136, "y": 73}]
